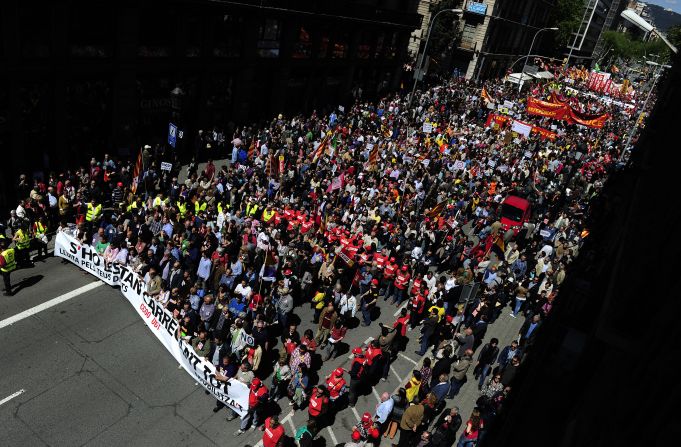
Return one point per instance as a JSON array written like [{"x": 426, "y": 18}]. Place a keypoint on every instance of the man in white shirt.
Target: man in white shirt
[{"x": 243, "y": 289}]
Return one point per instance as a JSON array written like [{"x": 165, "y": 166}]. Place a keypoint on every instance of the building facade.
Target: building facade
[
  {"x": 586, "y": 44},
  {"x": 90, "y": 77},
  {"x": 498, "y": 33}
]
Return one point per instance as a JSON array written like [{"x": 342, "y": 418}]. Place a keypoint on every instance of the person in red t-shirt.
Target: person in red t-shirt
[{"x": 273, "y": 432}]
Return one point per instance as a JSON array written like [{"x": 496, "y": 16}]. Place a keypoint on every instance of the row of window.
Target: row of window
[{"x": 227, "y": 41}]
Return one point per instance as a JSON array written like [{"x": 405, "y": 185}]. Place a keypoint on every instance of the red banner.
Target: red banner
[
  {"x": 502, "y": 120},
  {"x": 548, "y": 109},
  {"x": 562, "y": 111}
]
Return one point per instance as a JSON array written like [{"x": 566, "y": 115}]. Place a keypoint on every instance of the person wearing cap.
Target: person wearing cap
[
  {"x": 336, "y": 385},
  {"x": 7, "y": 264},
  {"x": 366, "y": 428},
  {"x": 257, "y": 398}
]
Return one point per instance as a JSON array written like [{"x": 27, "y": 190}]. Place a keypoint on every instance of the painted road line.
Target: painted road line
[
  {"x": 399, "y": 379},
  {"x": 333, "y": 437},
  {"x": 378, "y": 398},
  {"x": 12, "y": 396},
  {"x": 51, "y": 303},
  {"x": 354, "y": 410},
  {"x": 399, "y": 309},
  {"x": 407, "y": 358}
]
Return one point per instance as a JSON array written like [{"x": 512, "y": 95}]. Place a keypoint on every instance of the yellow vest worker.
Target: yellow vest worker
[
  {"x": 40, "y": 229},
  {"x": 7, "y": 265},
  {"x": 22, "y": 239},
  {"x": 132, "y": 206},
  {"x": 251, "y": 209},
  {"x": 199, "y": 207},
  {"x": 221, "y": 207},
  {"x": 182, "y": 207},
  {"x": 93, "y": 212},
  {"x": 268, "y": 215}
]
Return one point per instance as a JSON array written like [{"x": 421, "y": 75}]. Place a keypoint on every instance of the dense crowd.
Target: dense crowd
[{"x": 347, "y": 212}]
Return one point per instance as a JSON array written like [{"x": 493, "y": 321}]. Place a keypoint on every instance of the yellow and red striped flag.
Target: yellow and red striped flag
[
  {"x": 322, "y": 147},
  {"x": 435, "y": 211},
  {"x": 251, "y": 150},
  {"x": 373, "y": 156},
  {"x": 137, "y": 172}
]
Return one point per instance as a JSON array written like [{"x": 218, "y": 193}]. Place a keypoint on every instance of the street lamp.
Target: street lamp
[
  {"x": 656, "y": 75},
  {"x": 419, "y": 63},
  {"x": 530, "y": 52}
]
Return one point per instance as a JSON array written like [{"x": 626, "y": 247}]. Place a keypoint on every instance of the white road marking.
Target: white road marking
[
  {"x": 378, "y": 398},
  {"x": 354, "y": 410},
  {"x": 12, "y": 396},
  {"x": 407, "y": 358},
  {"x": 333, "y": 437},
  {"x": 399, "y": 309},
  {"x": 51, "y": 303},
  {"x": 392, "y": 368}
]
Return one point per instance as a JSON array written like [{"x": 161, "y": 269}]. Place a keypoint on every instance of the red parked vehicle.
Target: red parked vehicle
[{"x": 515, "y": 211}]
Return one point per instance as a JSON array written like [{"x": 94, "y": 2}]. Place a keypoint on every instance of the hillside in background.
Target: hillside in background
[{"x": 663, "y": 19}]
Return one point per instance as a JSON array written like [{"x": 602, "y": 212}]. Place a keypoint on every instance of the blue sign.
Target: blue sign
[
  {"x": 477, "y": 8},
  {"x": 172, "y": 134}
]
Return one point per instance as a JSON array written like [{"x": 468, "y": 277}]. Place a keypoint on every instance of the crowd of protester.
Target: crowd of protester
[{"x": 347, "y": 212}]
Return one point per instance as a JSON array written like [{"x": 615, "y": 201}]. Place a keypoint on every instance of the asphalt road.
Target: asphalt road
[{"x": 92, "y": 373}]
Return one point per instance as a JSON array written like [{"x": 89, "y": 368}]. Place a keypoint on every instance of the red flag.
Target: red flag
[
  {"x": 322, "y": 147},
  {"x": 137, "y": 173},
  {"x": 251, "y": 150},
  {"x": 373, "y": 156}
]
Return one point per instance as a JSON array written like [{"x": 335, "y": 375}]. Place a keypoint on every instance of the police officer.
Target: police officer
[{"x": 7, "y": 263}]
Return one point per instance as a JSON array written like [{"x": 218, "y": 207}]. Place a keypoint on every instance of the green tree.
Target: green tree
[
  {"x": 567, "y": 15},
  {"x": 446, "y": 33},
  {"x": 626, "y": 47},
  {"x": 674, "y": 35}
]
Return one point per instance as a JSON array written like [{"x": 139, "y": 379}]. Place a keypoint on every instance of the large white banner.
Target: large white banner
[{"x": 159, "y": 320}]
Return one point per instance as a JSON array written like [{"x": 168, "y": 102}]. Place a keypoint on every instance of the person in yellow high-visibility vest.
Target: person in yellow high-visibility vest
[
  {"x": 40, "y": 235},
  {"x": 94, "y": 211},
  {"x": 159, "y": 200},
  {"x": 181, "y": 207},
  {"x": 199, "y": 206},
  {"x": 22, "y": 242},
  {"x": 251, "y": 208},
  {"x": 7, "y": 263}
]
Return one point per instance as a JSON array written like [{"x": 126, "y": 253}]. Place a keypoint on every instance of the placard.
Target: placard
[
  {"x": 165, "y": 166},
  {"x": 459, "y": 165},
  {"x": 427, "y": 127}
]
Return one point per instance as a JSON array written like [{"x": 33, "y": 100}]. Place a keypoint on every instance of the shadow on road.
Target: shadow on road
[{"x": 27, "y": 282}]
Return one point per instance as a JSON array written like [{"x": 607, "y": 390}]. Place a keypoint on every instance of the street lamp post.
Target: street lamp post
[
  {"x": 419, "y": 63},
  {"x": 656, "y": 75},
  {"x": 530, "y": 52}
]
